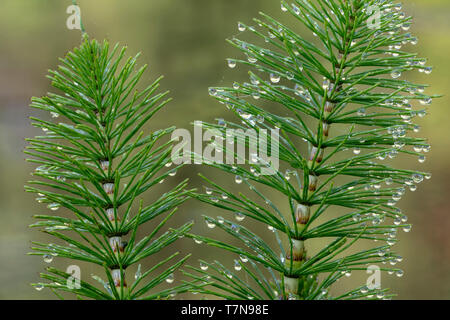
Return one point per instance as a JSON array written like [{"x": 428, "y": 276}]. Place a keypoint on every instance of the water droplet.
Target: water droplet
[
  {"x": 170, "y": 278},
  {"x": 208, "y": 191},
  {"x": 239, "y": 216},
  {"x": 364, "y": 290},
  {"x": 422, "y": 158},
  {"x": 396, "y": 74},
  {"x": 299, "y": 90},
  {"x": 48, "y": 258},
  {"x": 210, "y": 224},
  {"x": 418, "y": 148},
  {"x": 380, "y": 295},
  {"x": 221, "y": 122},
  {"x": 212, "y": 91},
  {"x": 251, "y": 59},
  {"x": 238, "y": 179},
  {"x": 231, "y": 63},
  {"x": 356, "y": 150},
  {"x": 417, "y": 177},
  {"x": 426, "y": 101},
  {"x": 220, "y": 219},
  {"x": 274, "y": 78},
  {"x": 39, "y": 287},
  {"x": 407, "y": 228},
  {"x": 198, "y": 241},
  {"x": 399, "y": 273},
  {"x": 237, "y": 265},
  {"x": 396, "y": 196},
  {"x": 241, "y": 27},
  {"x": 53, "y": 206},
  {"x": 361, "y": 112},
  {"x": 283, "y": 8},
  {"x": 203, "y": 266},
  {"x": 173, "y": 173},
  {"x": 391, "y": 242},
  {"x": 138, "y": 273}
]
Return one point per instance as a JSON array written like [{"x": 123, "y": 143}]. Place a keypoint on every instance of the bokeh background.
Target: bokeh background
[{"x": 185, "y": 41}]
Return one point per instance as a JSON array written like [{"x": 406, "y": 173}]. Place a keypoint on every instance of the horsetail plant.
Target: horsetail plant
[
  {"x": 343, "y": 113},
  {"x": 96, "y": 161}
]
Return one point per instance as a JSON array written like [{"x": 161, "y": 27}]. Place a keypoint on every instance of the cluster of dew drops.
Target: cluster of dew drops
[{"x": 397, "y": 132}]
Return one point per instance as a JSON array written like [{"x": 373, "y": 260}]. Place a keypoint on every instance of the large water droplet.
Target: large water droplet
[
  {"x": 39, "y": 287},
  {"x": 239, "y": 216},
  {"x": 274, "y": 78},
  {"x": 396, "y": 74},
  {"x": 138, "y": 273},
  {"x": 210, "y": 224},
  {"x": 237, "y": 265},
  {"x": 231, "y": 63},
  {"x": 48, "y": 258},
  {"x": 399, "y": 273},
  {"x": 426, "y": 101},
  {"x": 53, "y": 206},
  {"x": 170, "y": 278},
  {"x": 422, "y": 158},
  {"x": 417, "y": 178}
]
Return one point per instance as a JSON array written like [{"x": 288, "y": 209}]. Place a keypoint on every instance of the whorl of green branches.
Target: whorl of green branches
[
  {"x": 351, "y": 111},
  {"x": 96, "y": 162}
]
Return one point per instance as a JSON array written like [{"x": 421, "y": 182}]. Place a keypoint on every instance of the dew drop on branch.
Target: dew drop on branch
[
  {"x": 170, "y": 278},
  {"x": 48, "y": 258}
]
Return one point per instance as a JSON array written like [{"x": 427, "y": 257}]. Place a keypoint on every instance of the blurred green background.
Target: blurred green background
[{"x": 185, "y": 41}]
